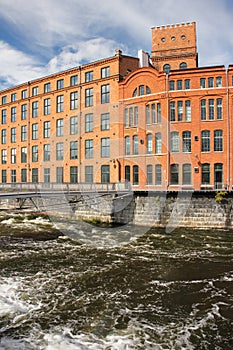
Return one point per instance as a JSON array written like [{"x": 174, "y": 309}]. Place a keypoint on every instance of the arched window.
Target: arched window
[
  {"x": 142, "y": 90},
  {"x": 183, "y": 65},
  {"x": 167, "y": 68}
]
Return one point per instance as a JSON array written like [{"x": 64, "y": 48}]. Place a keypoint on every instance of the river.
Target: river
[{"x": 84, "y": 289}]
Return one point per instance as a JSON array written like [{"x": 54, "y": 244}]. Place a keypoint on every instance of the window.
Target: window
[
  {"x": 3, "y": 136},
  {"x": 74, "y": 80},
  {"x": 59, "y": 151},
  {"x": 218, "y": 141},
  {"x": 23, "y": 154},
  {"x": 148, "y": 121},
  {"x": 131, "y": 116},
  {"x": 24, "y": 94},
  {"x": 73, "y": 150},
  {"x": 47, "y": 87},
  {"x": 34, "y": 153},
  {"x": 59, "y": 174},
  {"x": 183, "y": 65},
  {"x": 210, "y": 82},
  {"x": 24, "y": 112},
  {"x": 23, "y": 175},
  {"x": 158, "y": 174},
  {"x": 13, "y": 155},
  {"x": 171, "y": 85},
  {"x": 174, "y": 174},
  {"x": 105, "y": 121},
  {"x": 4, "y": 156},
  {"x": 142, "y": 90},
  {"x": 172, "y": 111},
  {"x": 88, "y": 149},
  {"x": 74, "y": 100},
  {"x": 105, "y": 93},
  {"x": 105, "y": 173},
  {"x": 13, "y": 97},
  {"x": 203, "y": 109},
  {"x": 13, "y": 135},
  {"x": 73, "y": 174},
  {"x": 205, "y": 174},
  {"x": 46, "y": 152},
  {"x": 186, "y": 141},
  {"x": 47, "y": 106},
  {"x": 4, "y": 177},
  {"x": 73, "y": 125},
  {"x": 4, "y": 100},
  {"x": 46, "y": 175},
  {"x": 135, "y": 175},
  {"x": 60, "y": 127},
  {"x": 23, "y": 132},
  {"x": 149, "y": 144},
  {"x": 180, "y": 110},
  {"x": 175, "y": 141},
  {"x": 105, "y": 72},
  {"x": 89, "y": 122},
  {"x": 211, "y": 109},
  {"x": 167, "y": 68},
  {"x": 149, "y": 174},
  {"x": 105, "y": 147},
  {"x": 127, "y": 145},
  {"x": 127, "y": 173},
  {"x": 158, "y": 143},
  {"x": 35, "y": 175},
  {"x": 88, "y": 76},
  {"x": 219, "y": 108},
  {"x": 158, "y": 112},
  {"x": 60, "y": 103},
  {"x": 13, "y": 175},
  {"x": 219, "y": 82},
  {"x": 218, "y": 175},
  {"x": 35, "y": 91},
  {"x": 179, "y": 85},
  {"x": 35, "y": 131},
  {"x": 89, "y": 97},
  {"x": 60, "y": 84},
  {"x": 89, "y": 173},
  {"x": 4, "y": 116},
  {"x": 188, "y": 116},
  {"x": 205, "y": 141},
  {"x": 187, "y": 84},
  {"x": 202, "y": 83},
  {"x": 13, "y": 114},
  {"x": 153, "y": 114},
  {"x": 135, "y": 144},
  {"x": 46, "y": 129},
  {"x": 187, "y": 174}
]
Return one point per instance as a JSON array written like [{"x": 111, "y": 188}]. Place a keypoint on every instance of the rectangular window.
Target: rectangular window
[
  {"x": 47, "y": 129},
  {"x": 203, "y": 109},
  {"x": 60, "y": 103},
  {"x": 135, "y": 175},
  {"x": 153, "y": 113},
  {"x": 159, "y": 116},
  {"x": 89, "y": 97},
  {"x": 23, "y": 154},
  {"x": 13, "y": 155},
  {"x": 186, "y": 141},
  {"x": 179, "y": 85},
  {"x": 23, "y": 175},
  {"x": 4, "y": 116},
  {"x": 174, "y": 174},
  {"x": 210, "y": 82},
  {"x": 89, "y": 173},
  {"x": 219, "y": 82},
  {"x": 149, "y": 174},
  {"x": 202, "y": 83},
  {"x": 73, "y": 150},
  {"x": 35, "y": 154},
  {"x": 13, "y": 175},
  {"x": 131, "y": 116},
  {"x": 218, "y": 141},
  {"x": 4, "y": 100},
  {"x": 47, "y": 175},
  {"x": 13, "y": 135},
  {"x": 219, "y": 108},
  {"x": 4, "y": 177},
  {"x": 171, "y": 85},
  {"x": 126, "y": 117},
  {"x": 35, "y": 91},
  {"x": 148, "y": 114},
  {"x": 158, "y": 143},
  {"x": 105, "y": 121},
  {"x": 187, "y": 84},
  {"x": 23, "y": 132},
  {"x": 46, "y": 152},
  {"x": 105, "y": 72},
  {"x": 205, "y": 141},
  {"x": 127, "y": 173},
  {"x": 3, "y": 136},
  {"x": 13, "y": 114},
  {"x": 105, "y": 147},
  {"x": 24, "y": 94},
  {"x": 88, "y": 76},
  {"x": 187, "y": 174},
  {"x": 188, "y": 115},
  {"x": 74, "y": 100},
  {"x": 149, "y": 144},
  {"x": 172, "y": 111},
  {"x": 127, "y": 145},
  {"x": 175, "y": 147},
  {"x": 60, "y": 84},
  {"x": 47, "y": 87},
  {"x": 13, "y": 97},
  {"x": 4, "y": 156},
  {"x": 35, "y": 175},
  {"x": 47, "y": 103},
  {"x": 105, "y": 93},
  {"x": 59, "y": 151},
  {"x": 60, "y": 127},
  {"x": 89, "y": 122},
  {"x": 73, "y": 174},
  {"x": 23, "y": 111},
  {"x": 180, "y": 110},
  {"x": 73, "y": 125},
  {"x": 88, "y": 149},
  {"x": 74, "y": 80},
  {"x": 105, "y": 173},
  {"x": 35, "y": 131},
  {"x": 135, "y": 144},
  {"x": 205, "y": 174},
  {"x": 211, "y": 109},
  {"x": 59, "y": 175},
  {"x": 158, "y": 174}
]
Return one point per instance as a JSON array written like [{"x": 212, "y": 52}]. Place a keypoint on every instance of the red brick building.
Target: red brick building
[{"x": 158, "y": 121}]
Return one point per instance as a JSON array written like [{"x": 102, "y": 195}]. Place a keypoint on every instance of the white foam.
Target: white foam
[{"x": 9, "y": 302}]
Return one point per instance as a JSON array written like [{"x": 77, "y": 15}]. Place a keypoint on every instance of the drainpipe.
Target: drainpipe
[
  {"x": 168, "y": 132},
  {"x": 228, "y": 133}
]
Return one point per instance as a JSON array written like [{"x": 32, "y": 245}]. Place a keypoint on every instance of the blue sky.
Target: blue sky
[{"x": 39, "y": 38}]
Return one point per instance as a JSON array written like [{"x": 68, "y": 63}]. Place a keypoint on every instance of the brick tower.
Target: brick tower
[{"x": 174, "y": 47}]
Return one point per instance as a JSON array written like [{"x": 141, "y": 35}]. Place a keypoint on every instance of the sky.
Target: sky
[{"x": 38, "y": 38}]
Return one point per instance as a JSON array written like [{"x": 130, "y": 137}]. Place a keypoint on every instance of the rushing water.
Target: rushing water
[{"x": 156, "y": 291}]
